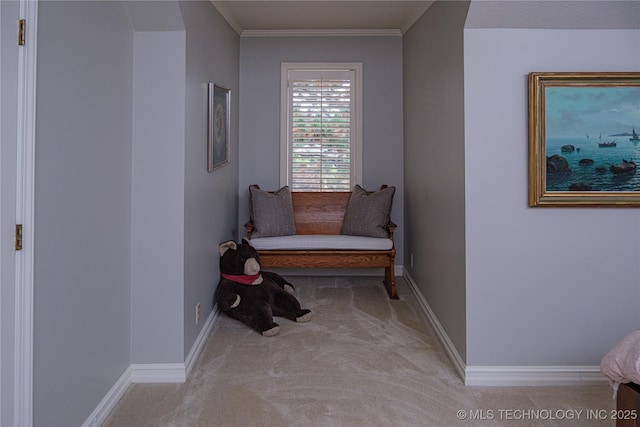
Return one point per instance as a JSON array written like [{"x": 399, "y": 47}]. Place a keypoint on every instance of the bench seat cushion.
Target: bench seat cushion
[{"x": 322, "y": 241}]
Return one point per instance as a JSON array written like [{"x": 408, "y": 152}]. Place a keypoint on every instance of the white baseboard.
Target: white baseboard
[
  {"x": 533, "y": 375},
  {"x": 506, "y": 375},
  {"x": 151, "y": 373},
  {"x": 157, "y": 373},
  {"x": 441, "y": 334},
  {"x": 201, "y": 340},
  {"x": 100, "y": 414},
  {"x": 356, "y": 271}
]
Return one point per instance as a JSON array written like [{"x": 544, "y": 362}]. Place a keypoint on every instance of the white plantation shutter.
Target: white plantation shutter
[{"x": 321, "y": 125}]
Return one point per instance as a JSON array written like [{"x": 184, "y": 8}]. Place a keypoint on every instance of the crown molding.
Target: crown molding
[
  {"x": 227, "y": 15},
  {"x": 420, "y": 10},
  {"x": 232, "y": 20},
  {"x": 321, "y": 33}
]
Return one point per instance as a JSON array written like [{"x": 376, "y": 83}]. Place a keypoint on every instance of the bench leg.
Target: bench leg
[{"x": 390, "y": 281}]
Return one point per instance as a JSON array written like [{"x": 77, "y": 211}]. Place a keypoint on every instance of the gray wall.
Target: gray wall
[
  {"x": 555, "y": 14},
  {"x": 511, "y": 285},
  {"x": 260, "y": 60},
  {"x": 210, "y": 199},
  {"x": 127, "y": 217},
  {"x": 9, "y": 15},
  {"x": 434, "y": 163},
  {"x": 83, "y": 207},
  {"x": 497, "y": 304},
  {"x": 180, "y": 211},
  {"x": 544, "y": 286},
  {"x": 158, "y": 211}
]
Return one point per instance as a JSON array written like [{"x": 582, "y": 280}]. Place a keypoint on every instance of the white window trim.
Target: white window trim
[{"x": 356, "y": 138}]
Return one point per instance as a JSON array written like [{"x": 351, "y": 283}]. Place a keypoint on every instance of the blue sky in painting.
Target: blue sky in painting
[{"x": 574, "y": 111}]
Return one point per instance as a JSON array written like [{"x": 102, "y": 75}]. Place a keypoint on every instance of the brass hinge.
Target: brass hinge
[
  {"x": 18, "y": 237},
  {"x": 22, "y": 29}
]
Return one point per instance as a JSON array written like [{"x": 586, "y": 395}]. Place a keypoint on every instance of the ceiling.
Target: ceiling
[{"x": 328, "y": 16}]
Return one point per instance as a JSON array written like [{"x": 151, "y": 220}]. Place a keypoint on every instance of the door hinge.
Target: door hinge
[
  {"x": 22, "y": 29},
  {"x": 18, "y": 237}
]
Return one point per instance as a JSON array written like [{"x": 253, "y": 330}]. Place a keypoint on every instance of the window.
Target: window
[{"x": 321, "y": 112}]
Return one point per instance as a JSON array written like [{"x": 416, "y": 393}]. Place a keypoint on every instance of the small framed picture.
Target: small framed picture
[{"x": 219, "y": 125}]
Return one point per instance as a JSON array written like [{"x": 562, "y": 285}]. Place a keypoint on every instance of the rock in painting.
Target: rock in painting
[
  {"x": 580, "y": 186},
  {"x": 586, "y": 162},
  {"x": 568, "y": 148},
  {"x": 557, "y": 164}
]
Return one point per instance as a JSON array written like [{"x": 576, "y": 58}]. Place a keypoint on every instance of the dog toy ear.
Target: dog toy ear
[{"x": 224, "y": 247}]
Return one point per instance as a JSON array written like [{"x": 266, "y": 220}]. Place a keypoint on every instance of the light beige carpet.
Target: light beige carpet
[{"x": 363, "y": 360}]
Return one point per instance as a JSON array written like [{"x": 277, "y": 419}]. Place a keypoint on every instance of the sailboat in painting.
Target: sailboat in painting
[
  {"x": 634, "y": 138},
  {"x": 606, "y": 143}
]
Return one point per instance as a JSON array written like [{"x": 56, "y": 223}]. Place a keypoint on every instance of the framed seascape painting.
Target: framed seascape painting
[
  {"x": 218, "y": 127},
  {"x": 584, "y": 148}
]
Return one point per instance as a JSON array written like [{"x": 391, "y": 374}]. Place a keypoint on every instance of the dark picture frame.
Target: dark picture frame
[
  {"x": 584, "y": 147},
  {"x": 219, "y": 122}
]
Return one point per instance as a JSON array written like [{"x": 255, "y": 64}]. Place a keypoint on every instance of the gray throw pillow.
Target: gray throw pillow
[
  {"x": 272, "y": 213},
  {"x": 368, "y": 213}
]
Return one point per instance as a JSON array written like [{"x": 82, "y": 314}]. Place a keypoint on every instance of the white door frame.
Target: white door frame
[
  {"x": 23, "y": 375},
  {"x": 1, "y": 179}
]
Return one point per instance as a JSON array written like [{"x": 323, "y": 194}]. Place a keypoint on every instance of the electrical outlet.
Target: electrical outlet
[{"x": 197, "y": 313}]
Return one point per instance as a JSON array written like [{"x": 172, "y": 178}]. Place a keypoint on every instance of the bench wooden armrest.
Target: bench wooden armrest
[
  {"x": 249, "y": 227},
  {"x": 391, "y": 227}
]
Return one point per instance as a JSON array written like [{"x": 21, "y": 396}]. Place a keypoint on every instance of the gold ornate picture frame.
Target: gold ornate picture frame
[
  {"x": 583, "y": 139},
  {"x": 219, "y": 122}
]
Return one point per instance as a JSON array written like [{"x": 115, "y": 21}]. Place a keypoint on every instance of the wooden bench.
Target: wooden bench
[{"x": 321, "y": 213}]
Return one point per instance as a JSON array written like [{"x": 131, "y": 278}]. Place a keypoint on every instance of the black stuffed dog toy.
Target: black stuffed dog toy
[{"x": 252, "y": 296}]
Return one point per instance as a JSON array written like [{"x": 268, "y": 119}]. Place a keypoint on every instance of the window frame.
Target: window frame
[{"x": 285, "y": 116}]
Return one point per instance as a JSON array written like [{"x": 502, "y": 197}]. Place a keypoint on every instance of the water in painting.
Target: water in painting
[{"x": 594, "y": 130}]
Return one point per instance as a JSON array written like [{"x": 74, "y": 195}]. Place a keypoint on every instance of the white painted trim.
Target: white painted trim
[
  {"x": 420, "y": 10},
  {"x": 157, "y": 373},
  {"x": 285, "y": 126},
  {"x": 152, "y": 373},
  {"x": 174, "y": 372},
  {"x": 533, "y": 376},
  {"x": 201, "y": 340},
  {"x": 227, "y": 15},
  {"x": 1, "y": 288},
  {"x": 398, "y": 269},
  {"x": 106, "y": 405},
  {"x": 441, "y": 334},
  {"x": 359, "y": 128},
  {"x": 284, "y": 166},
  {"x": 323, "y": 33},
  {"x": 23, "y": 374},
  {"x": 506, "y": 375},
  {"x": 320, "y": 272}
]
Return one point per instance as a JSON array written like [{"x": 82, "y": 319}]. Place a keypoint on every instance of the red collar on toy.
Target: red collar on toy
[{"x": 242, "y": 278}]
